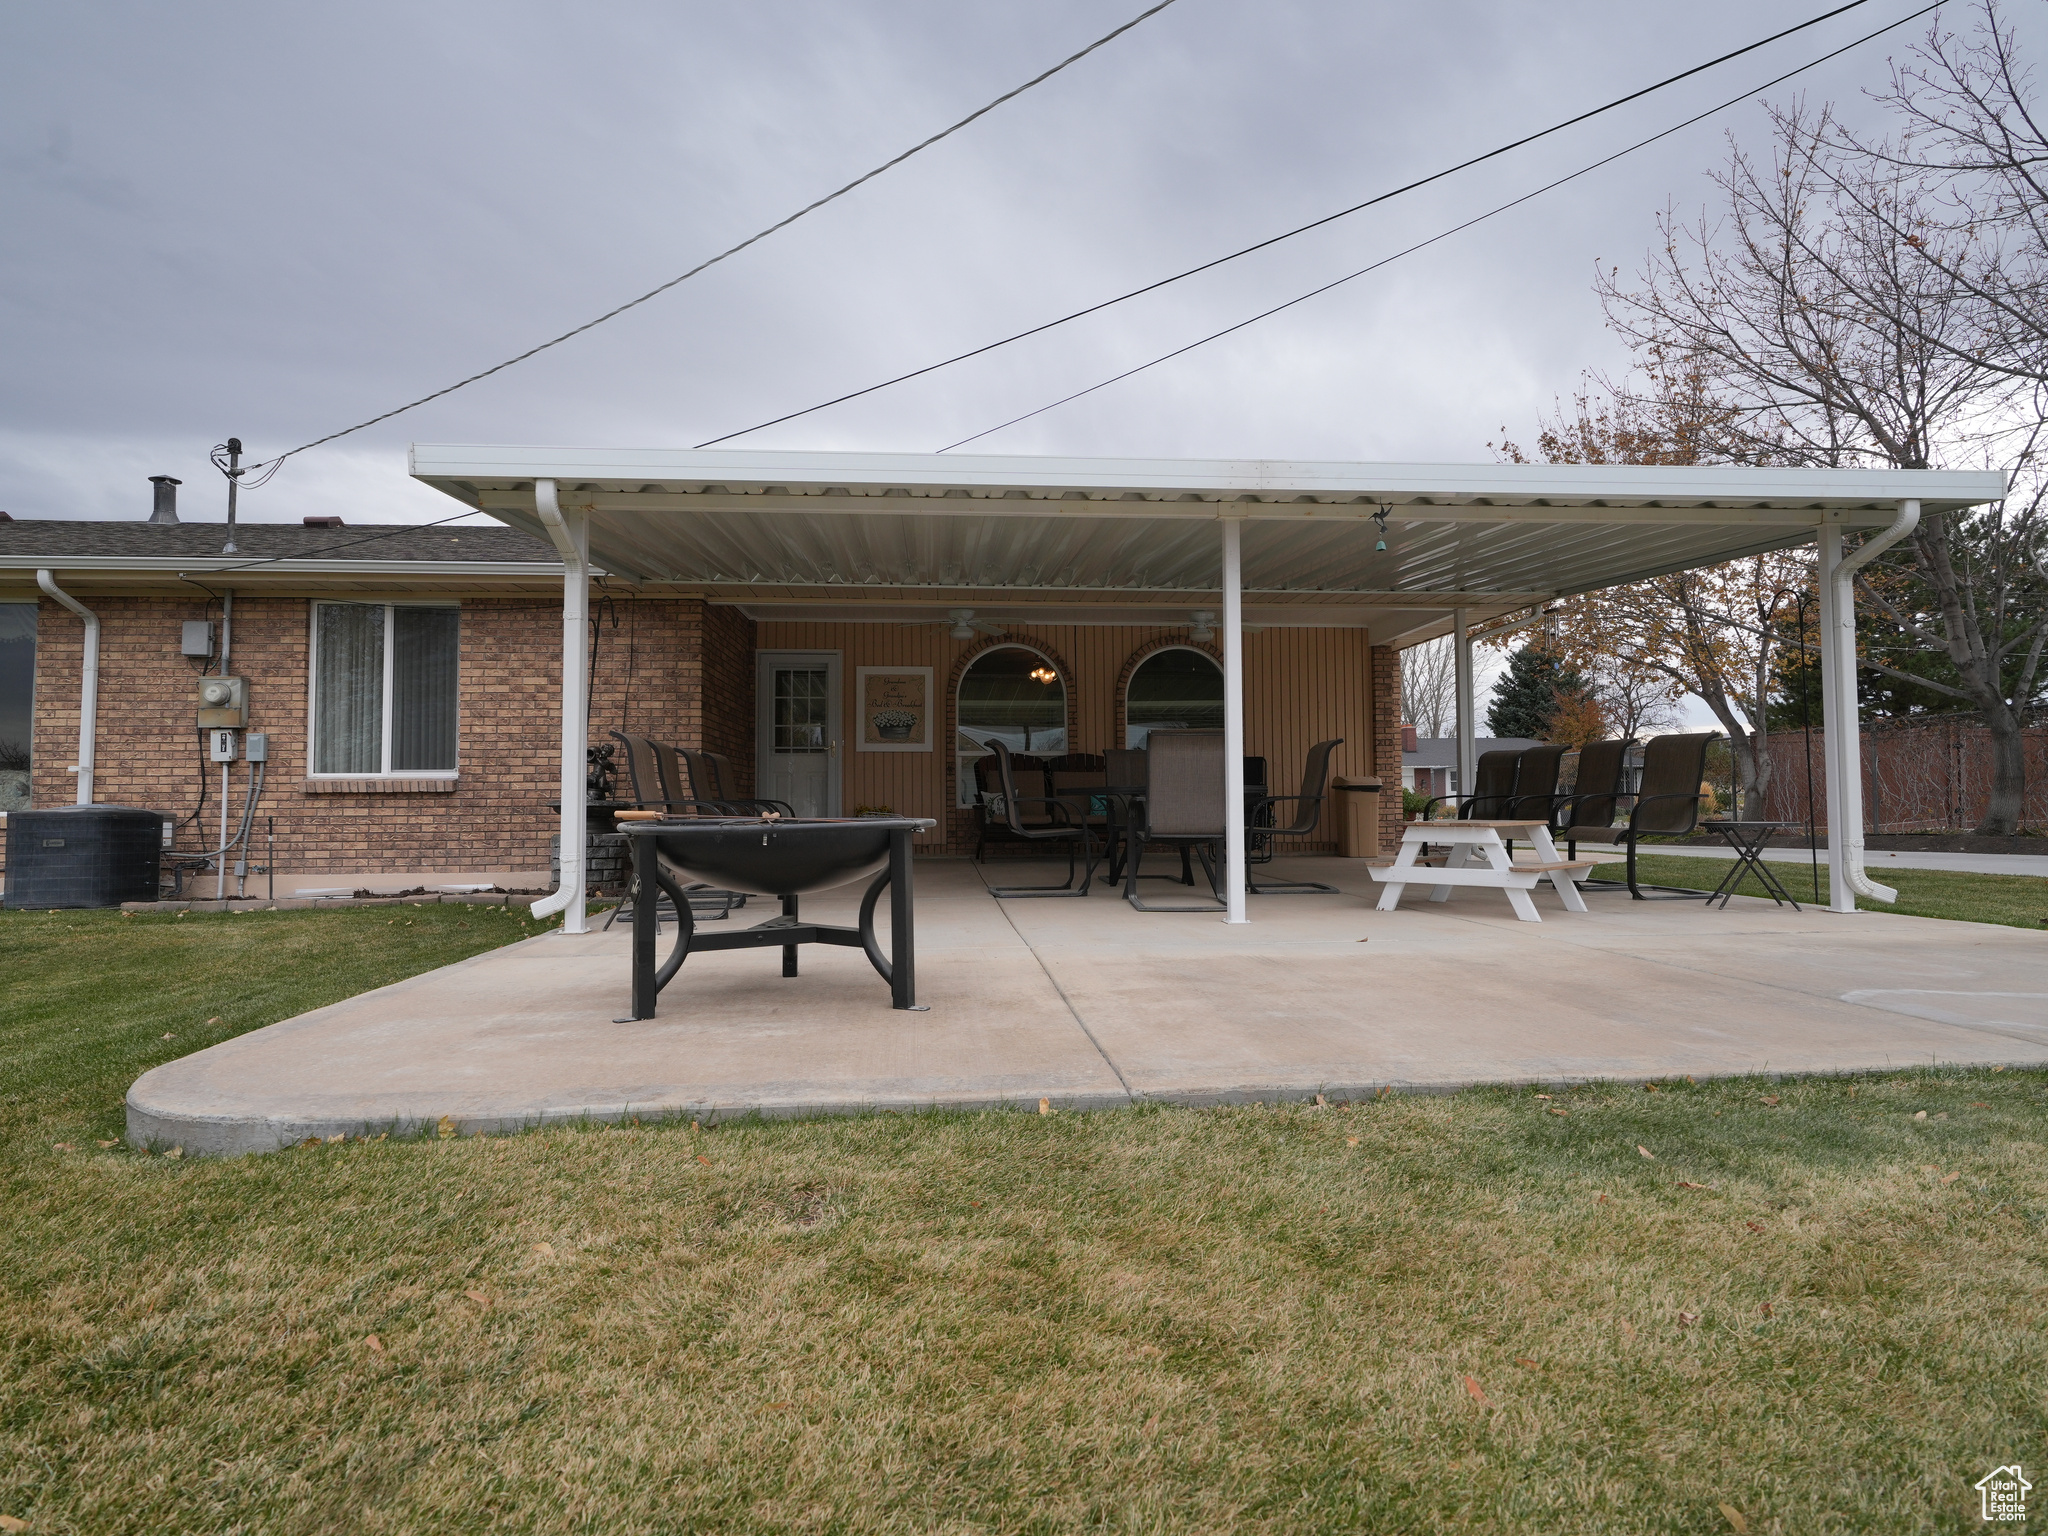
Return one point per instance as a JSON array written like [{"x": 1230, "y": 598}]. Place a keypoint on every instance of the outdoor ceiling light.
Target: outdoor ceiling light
[
  {"x": 1205, "y": 626},
  {"x": 1044, "y": 675}
]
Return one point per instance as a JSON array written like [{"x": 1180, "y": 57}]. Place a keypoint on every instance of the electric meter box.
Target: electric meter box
[{"x": 223, "y": 703}]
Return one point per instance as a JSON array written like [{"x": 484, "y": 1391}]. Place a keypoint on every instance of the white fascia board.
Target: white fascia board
[
  {"x": 234, "y": 565},
  {"x": 462, "y": 470}
]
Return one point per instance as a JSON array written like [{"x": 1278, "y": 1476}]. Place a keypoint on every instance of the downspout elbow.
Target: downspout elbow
[
  {"x": 88, "y": 682},
  {"x": 1904, "y": 523}
]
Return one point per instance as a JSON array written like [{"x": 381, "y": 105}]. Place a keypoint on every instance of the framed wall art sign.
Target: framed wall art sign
[{"x": 893, "y": 709}]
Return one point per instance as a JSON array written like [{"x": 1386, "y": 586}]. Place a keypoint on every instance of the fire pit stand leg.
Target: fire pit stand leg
[
  {"x": 902, "y": 945},
  {"x": 789, "y": 950},
  {"x": 646, "y": 901}
]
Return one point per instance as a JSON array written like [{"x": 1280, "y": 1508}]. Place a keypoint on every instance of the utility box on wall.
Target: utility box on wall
[{"x": 223, "y": 703}]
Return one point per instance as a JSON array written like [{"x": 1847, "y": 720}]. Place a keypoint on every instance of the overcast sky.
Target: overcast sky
[{"x": 272, "y": 221}]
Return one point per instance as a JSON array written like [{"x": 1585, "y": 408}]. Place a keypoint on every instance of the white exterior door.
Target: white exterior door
[{"x": 797, "y": 743}]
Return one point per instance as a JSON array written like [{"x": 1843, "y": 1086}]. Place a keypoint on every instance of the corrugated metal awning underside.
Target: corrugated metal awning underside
[{"x": 769, "y": 525}]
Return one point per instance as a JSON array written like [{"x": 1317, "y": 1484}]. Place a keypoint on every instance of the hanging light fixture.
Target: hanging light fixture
[{"x": 1044, "y": 675}]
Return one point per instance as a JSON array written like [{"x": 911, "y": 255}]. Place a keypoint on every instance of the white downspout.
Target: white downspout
[
  {"x": 1234, "y": 873},
  {"x": 1839, "y": 709},
  {"x": 571, "y": 533},
  {"x": 1468, "y": 727},
  {"x": 88, "y": 683}
]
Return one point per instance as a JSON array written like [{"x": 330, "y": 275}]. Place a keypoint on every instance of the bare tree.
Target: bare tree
[
  {"x": 1839, "y": 308},
  {"x": 1429, "y": 687},
  {"x": 1636, "y": 700}
]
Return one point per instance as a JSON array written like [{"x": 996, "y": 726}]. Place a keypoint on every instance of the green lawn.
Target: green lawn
[
  {"x": 1486, "y": 1312},
  {"x": 2018, "y": 901}
]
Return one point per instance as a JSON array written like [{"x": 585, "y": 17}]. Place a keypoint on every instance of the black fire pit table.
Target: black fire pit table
[{"x": 787, "y": 857}]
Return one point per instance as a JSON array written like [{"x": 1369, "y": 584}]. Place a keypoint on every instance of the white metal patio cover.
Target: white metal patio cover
[{"x": 1465, "y": 542}]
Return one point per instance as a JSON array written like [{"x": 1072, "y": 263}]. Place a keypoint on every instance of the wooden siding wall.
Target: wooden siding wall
[{"x": 1301, "y": 686}]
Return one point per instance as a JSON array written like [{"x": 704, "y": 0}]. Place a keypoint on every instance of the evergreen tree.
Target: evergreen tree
[{"x": 1528, "y": 695}]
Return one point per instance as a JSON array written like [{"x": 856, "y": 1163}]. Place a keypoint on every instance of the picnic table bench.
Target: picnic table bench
[{"x": 1479, "y": 856}]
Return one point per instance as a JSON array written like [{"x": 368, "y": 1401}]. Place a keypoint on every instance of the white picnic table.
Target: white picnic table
[{"x": 1479, "y": 856}]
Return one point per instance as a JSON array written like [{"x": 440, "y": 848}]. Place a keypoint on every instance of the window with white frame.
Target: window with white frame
[{"x": 384, "y": 688}]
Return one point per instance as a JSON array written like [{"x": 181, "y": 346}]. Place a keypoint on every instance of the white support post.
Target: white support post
[
  {"x": 1468, "y": 731},
  {"x": 1840, "y": 713},
  {"x": 570, "y": 530},
  {"x": 1234, "y": 872}
]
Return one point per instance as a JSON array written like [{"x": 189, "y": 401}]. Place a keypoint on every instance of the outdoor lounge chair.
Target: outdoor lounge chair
[
  {"x": 1183, "y": 807},
  {"x": 1060, "y": 825},
  {"x": 712, "y": 778},
  {"x": 1666, "y": 804},
  {"x": 1536, "y": 797},
  {"x": 654, "y": 777},
  {"x": 1308, "y": 813},
  {"x": 991, "y": 824}
]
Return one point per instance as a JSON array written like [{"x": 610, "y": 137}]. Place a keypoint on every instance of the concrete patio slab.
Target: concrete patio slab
[{"x": 1090, "y": 1003}]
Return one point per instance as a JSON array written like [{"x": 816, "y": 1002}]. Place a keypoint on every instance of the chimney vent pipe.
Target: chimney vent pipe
[{"x": 166, "y": 508}]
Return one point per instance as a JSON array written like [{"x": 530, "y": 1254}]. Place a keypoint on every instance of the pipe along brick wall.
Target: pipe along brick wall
[{"x": 677, "y": 668}]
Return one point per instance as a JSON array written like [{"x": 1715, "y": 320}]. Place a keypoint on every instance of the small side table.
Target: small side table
[{"x": 1747, "y": 838}]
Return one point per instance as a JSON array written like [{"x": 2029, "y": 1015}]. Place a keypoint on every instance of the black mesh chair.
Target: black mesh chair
[
  {"x": 1597, "y": 794},
  {"x": 1308, "y": 814},
  {"x": 1536, "y": 796},
  {"x": 655, "y": 781},
  {"x": 1665, "y": 804},
  {"x": 1494, "y": 779},
  {"x": 1061, "y": 825},
  {"x": 712, "y": 778},
  {"x": 1183, "y": 807}
]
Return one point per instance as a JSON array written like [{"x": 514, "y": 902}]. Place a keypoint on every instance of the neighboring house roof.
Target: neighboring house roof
[
  {"x": 1442, "y": 751},
  {"x": 134, "y": 554}
]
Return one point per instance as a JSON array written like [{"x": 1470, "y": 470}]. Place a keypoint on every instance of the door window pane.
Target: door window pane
[
  {"x": 800, "y": 709},
  {"x": 348, "y": 688}
]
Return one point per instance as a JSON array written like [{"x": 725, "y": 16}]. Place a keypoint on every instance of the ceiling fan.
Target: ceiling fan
[{"x": 963, "y": 625}]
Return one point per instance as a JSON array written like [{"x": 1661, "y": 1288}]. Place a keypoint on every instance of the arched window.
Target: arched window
[
  {"x": 1173, "y": 689},
  {"x": 1014, "y": 695}
]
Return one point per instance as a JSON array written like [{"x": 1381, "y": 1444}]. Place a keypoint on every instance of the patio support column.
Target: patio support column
[
  {"x": 1234, "y": 874},
  {"x": 1468, "y": 732},
  {"x": 1840, "y": 714},
  {"x": 570, "y": 529}
]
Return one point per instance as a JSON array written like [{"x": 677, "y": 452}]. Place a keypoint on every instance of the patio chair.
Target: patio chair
[
  {"x": 1060, "y": 825},
  {"x": 1666, "y": 804},
  {"x": 991, "y": 824},
  {"x": 1536, "y": 797},
  {"x": 1183, "y": 807},
  {"x": 712, "y": 777},
  {"x": 1494, "y": 779},
  {"x": 1308, "y": 814},
  {"x": 1125, "y": 768},
  {"x": 654, "y": 776},
  {"x": 1596, "y": 794}
]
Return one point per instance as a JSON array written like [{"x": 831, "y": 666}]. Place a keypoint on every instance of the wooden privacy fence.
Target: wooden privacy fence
[{"x": 1927, "y": 774}]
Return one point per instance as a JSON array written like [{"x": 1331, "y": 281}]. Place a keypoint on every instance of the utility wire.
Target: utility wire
[
  {"x": 325, "y": 549},
  {"x": 1303, "y": 229},
  {"x": 612, "y": 314},
  {"x": 1446, "y": 234}
]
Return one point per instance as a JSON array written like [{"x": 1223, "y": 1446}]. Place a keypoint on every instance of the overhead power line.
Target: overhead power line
[
  {"x": 1587, "y": 170},
  {"x": 784, "y": 223},
  {"x": 1302, "y": 229}
]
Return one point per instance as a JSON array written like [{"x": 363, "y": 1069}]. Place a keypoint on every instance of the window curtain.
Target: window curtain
[
  {"x": 423, "y": 670},
  {"x": 348, "y": 688}
]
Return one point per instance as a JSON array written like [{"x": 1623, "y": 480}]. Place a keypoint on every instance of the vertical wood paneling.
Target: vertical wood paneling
[{"x": 1301, "y": 686}]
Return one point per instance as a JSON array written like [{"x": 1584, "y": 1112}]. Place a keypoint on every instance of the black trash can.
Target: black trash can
[{"x": 83, "y": 856}]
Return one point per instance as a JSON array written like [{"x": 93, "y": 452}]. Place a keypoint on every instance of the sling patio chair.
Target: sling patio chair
[
  {"x": 1183, "y": 807},
  {"x": 1536, "y": 797},
  {"x": 653, "y": 773},
  {"x": 1665, "y": 804},
  {"x": 1061, "y": 825},
  {"x": 712, "y": 777},
  {"x": 1494, "y": 779},
  {"x": 991, "y": 824},
  {"x": 1308, "y": 814}
]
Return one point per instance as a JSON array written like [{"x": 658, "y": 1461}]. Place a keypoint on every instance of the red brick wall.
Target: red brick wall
[
  {"x": 651, "y": 679},
  {"x": 1386, "y": 743}
]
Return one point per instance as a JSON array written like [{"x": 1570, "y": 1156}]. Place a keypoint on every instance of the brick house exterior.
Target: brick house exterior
[{"x": 670, "y": 664}]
